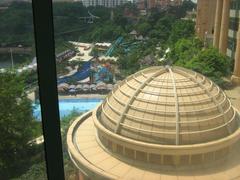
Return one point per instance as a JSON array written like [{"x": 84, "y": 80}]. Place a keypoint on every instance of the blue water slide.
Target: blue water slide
[
  {"x": 78, "y": 76},
  {"x": 114, "y": 45}
]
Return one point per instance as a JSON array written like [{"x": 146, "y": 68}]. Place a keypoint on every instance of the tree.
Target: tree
[
  {"x": 211, "y": 64},
  {"x": 180, "y": 11},
  {"x": 65, "y": 124},
  {"x": 184, "y": 50},
  {"x": 143, "y": 28},
  {"x": 120, "y": 20},
  {"x": 190, "y": 53},
  {"x": 36, "y": 172},
  {"x": 181, "y": 29},
  {"x": 17, "y": 126},
  {"x": 129, "y": 62},
  {"x": 162, "y": 28}
]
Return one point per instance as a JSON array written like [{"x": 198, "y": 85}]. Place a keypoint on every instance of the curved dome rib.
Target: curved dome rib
[
  {"x": 176, "y": 105},
  {"x": 134, "y": 96},
  {"x": 212, "y": 97}
]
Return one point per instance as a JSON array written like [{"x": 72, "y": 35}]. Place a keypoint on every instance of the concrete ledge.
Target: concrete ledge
[{"x": 235, "y": 80}]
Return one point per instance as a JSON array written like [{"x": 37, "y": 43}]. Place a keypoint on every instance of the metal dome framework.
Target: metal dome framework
[
  {"x": 177, "y": 99},
  {"x": 161, "y": 112}
]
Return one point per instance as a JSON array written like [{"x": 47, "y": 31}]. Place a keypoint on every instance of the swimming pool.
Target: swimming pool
[{"x": 66, "y": 106}]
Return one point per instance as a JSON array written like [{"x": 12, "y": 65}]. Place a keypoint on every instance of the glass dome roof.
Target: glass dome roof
[
  {"x": 161, "y": 121},
  {"x": 168, "y": 106}
]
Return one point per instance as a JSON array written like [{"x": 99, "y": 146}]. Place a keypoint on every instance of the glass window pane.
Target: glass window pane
[
  {"x": 133, "y": 102},
  {"x": 21, "y": 149}
]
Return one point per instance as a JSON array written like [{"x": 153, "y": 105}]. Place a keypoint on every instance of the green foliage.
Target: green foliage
[
  {"x": 16, "y": 24},
  {"x": 18, "y": 59},
  {"x": 210, "y": 63},
  {"x": 65, "y": 123},
  {"x": 180, "y": 11},
  {"x": 190, "y": 53},
  {"x": 143, "y": 28},
  {"x": 66, "y": 120},
  {"x": 184, "y": 50},
  {"x": 158, "y": 25},
  {"x": 36, "y": 172},
  {"x": 30, "y": 78},
  {"x": 120, "y": 20},
  {"x": 17, "y": 126},
  {"x": 181, "y": 29},
  {"x": 162, "y": 28},
  {"x": 106, "y": 32},
  {"x": 129, "y": 63}
]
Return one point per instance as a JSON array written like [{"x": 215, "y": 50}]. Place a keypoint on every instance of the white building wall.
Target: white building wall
[{"x": 106, "y": 3}]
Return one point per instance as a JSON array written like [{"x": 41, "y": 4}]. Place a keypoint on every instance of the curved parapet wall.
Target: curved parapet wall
[
  {"x": 88, "y": 169},
  {"x": 165, "y": 154},
  {"x": 167, "y": 113}
]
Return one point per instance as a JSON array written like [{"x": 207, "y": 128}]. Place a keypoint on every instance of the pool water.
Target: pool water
[{"x": 66, "y": 106}]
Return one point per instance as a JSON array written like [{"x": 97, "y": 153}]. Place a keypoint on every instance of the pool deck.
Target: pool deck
[
  {"x": 78, "y": 96},
  {"x": 83, "y": 96},
  {"x": 233, "y": 95}
]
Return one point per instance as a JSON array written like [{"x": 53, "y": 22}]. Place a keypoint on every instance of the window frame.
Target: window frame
[{"x": 47, "y": 81}]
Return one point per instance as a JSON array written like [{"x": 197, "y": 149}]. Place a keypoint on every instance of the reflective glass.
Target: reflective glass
[{"x": 21, "y": 147}]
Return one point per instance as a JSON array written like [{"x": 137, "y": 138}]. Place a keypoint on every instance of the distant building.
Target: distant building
[
  {"x": 233, "y": 27},
  {"x": 205, "y": 18},
  {"x": 149, "y": 4},
  {"x": 165, "y": 3},
  {"x": 128, "y": 13},
  {"x": 220, "y": 19},
  {"x": 141, "y": 5},
  {"x": 105, "y": 3}
]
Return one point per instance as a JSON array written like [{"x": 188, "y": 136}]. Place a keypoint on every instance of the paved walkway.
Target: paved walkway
[
  {"x": 234, "y": 95},
  {"x": 78, "y": 96}
]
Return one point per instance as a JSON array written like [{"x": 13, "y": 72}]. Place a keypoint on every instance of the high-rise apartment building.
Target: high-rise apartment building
[
  {"x": 220, "y": 18},
  {"x": 149, "y": 4},
  {"x": 165, "y": 3},
  {"x": 233, "y": 27},
  {"x": 205, "y": 18},
  {"x": 233, "y": 46},
  {"x": 105, "y": 3}
]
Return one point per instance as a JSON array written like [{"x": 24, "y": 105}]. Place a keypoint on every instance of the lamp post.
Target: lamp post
[
  {"x": 205, "y": 39},
  {"x": 11, "y": 58}
]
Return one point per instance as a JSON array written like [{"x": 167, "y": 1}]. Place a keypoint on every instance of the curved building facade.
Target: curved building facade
[{"x": 158, "y": 122}]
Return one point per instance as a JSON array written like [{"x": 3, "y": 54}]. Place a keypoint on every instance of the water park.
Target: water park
[
  {"x": 90, "y": 73},
  {"x": 87, "y": 77},
  {"x": 94, "y": 68},
  {"x": 92, "y": 77},
  {"x": 86, "y": 68}
]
